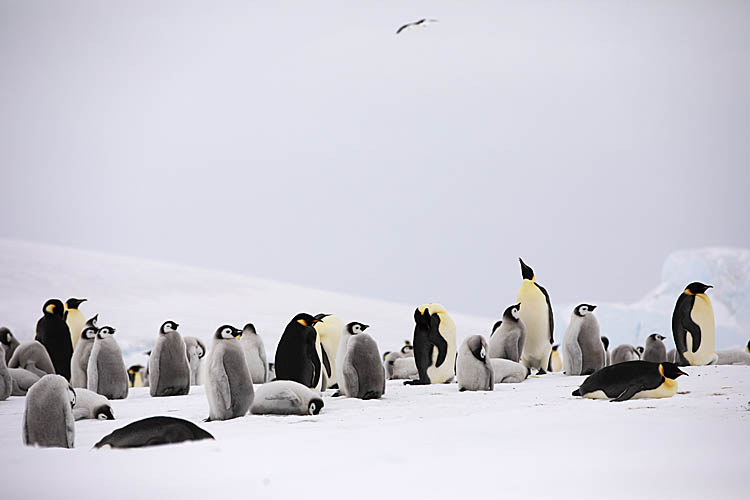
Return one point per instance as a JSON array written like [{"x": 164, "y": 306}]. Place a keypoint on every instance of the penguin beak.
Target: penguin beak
[
  {"x": 680, "y": 372},
  {"x": 364, "y": 327},
  {"x": 316, "y": 320},
  {"x": 592, "y": 308}
]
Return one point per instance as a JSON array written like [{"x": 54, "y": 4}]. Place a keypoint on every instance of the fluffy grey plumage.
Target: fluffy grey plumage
[
  {"x": 48, "y": 416},
  {"x": 6, "y": 381},
  {"x": 286, "y": 397},
  {"x": 733, "y": 357},
  {"x": 255, "y": 354},
  {"x": 229, "y": 388},
  {"x": 22, "y": 380},
  {"x": 473, "y": 368},
  {"x": 79, "y": 363},
  {"x": 168, "y": 368},
  {"x": 622, "y": 353},
  {"x": 506, "y": 371},
  {"x": 91, "y": 405},
  {"x": 8, "y": 342},
  {"x": 32, "y": 356},
  {"x": 508, "y": 339},
  {"x": 583, "y": 351},
  {"x": 195, "y": 350},
  {"x": 364, "y": 375},
  {"x": 106, "y": 371},
  {"x": 655, "y": 349}
]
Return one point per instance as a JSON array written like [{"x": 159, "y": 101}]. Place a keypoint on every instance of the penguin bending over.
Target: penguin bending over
[
  {"x": 434, "y": 345},
  {"x": 106, "y": 374},
  {"x": 655, "y": 350},
  {"x": 22, "y": 381},
  {"x": 329, "y": 330},
  {"x": 536, "y": 314},
  {"x": 623, "y": 353},
  {"x": 255, "y": 354},
  {"x": 91, "y": 405},
  {"x": 693, "y": 326},
  {"x": 32, "y": 356},
  {"x": 297, "y": 357},
  {"x": 632, "y": 380},
  {"x": 48, "y": 415},
  {"x": 79, "y": 364},
  {"x": 229, "y": 388},
  {"x": 583, "y": 351},
  {"x": 53, "y": 333},
  {"x": 364, "y": 374},
  {"x": 8, "y": 342},
  {"x": 74, "y": 319},
  {"x": 153, "y": 431},
  {"x": 473, "y": 369},
  {"x": 508, "y": 339},
  {"x": 506, "y": 371},
  {"x": 168, "y": 368},
  {"x": 6, "y": 380},
  {"x": 194, "y": 350},
  {"x": 286, "y": 397}
]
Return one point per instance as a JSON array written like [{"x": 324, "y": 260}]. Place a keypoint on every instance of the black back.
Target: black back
[
  {"x": 681, "y": 323},
  {"x": 632, "y": 376},
  {"x": 53, "y": 333},
  {"x": 296, "y": 358},
  {"x": 426, "y": 337},
  {"x": 154, "y": 431},
  {"x": 549, "y": 311}
]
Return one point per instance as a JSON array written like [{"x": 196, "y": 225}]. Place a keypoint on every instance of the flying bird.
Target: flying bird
[{"x": 421, "y": 22}]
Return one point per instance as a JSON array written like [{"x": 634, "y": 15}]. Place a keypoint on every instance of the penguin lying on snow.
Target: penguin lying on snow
[
  {"x": 506, "y": 371},
  {"x": 632, "y": 380},
  {"x": 48, "y": 415},
  {"x": 91, "y": 405},
  {"x": 732, "y": 357},
  {"x": 153, "y": 431},
  {"x": 22, "y": 380},
  {"x": 286, "y": 397}
]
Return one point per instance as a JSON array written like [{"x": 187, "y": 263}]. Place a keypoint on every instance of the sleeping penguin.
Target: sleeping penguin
[{"x": 631, "y": 380}]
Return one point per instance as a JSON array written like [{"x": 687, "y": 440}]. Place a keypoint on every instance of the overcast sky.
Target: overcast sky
[{"x": 310, "y": 144}]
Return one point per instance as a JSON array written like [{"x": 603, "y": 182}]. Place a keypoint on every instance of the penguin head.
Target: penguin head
[
  {"x": 200, "y": 349},
  {"x": 91, "y": 322},
  {"x": 385, "y": 355},
  {"x": 305, "y": 319},
  {"x": 696, "y": 287},
  {"x": 583, "y": 309},
  {"x": 53, "y": 307},
  {"x": 168, "y": 327},
  {"x": 512, "y": 313},
  {"x": 321, "y": 316},
  {"x": 478, "y": 347},
  {"x": 131, "y": 373},
  {"x": 354, "y": 328},
  {"x": 670, "y": 370},
  {"x": 249, "y": 329},
  {"x": 409, "y": 348},
  {"x": 72, "y": 303},
  {"x": 605, "y": 341},
  {"x": 315, "y": 405},
  {"x": 5, "y": 336},
  {"x": 555, "y": 347},
  {"x": 71, "y": 395},
  {"x": 526, "y": 272},
  {"x": 226, "y": 332},
  {"x": 640, "y": 350},
  {"x": 496, "y": 326},
  {"x": 655, "y": 336},
  {"x": 104, "y": 412},
  {"x": 88, "y": 332},
  {"x": 104, "y": 332}
]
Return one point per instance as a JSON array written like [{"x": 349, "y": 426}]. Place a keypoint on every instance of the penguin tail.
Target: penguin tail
[{"x": 577, "y": 392}]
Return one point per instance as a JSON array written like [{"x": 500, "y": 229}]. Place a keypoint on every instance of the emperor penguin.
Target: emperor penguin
[
  {"x": 53, "y": 333},
  {"x": 693, "y": 326},
  {"x": 508, "y": 340},
  {"x": 48, "y": 415},
  {"x": 555, "y": 360},
  {"x": 32, "y": 356},
  {"x": 732, "y": 357},
  {"x": 255, "y": 354},
  {"x": 168, "y": 368},
  {"x": 623, "y": 353},
  {"x": 106, "y": 374},
  {"x": 79, "y": 364},
  {"x": 655, "y": 349},
  {"x": 329, "y": 330},
  {"x": 631, "y": 380},
  {"x": 605, "y": 343},
  {"x": 640, "y": 350},
  {"x": 434, "y": 345},
  {"x": 136, "y": 375},
  {"x": 404, "y": 368},
  {"x": 583, "y": 351},
  {"x": 297, "y": 355},
  {"x": 506, "y": 371},
  {"x": 286, "y": 397},
  {"x": 22, "y": 380},
  {"x": 536, "y": 314},
  {"x": 229, "y": 387},
  {"x": 6, "y": 381},
  {"x": 74, "y": 319},
  {"x": 8, "y": 342},
  {"x": 91, "y": 405},
  {"x": 195, "y": 350},
  {"x": 153, "y": 431},
  {"x": 473, "y": 369},
  {"x": 364, "y": 374},
  {"x": 672, "y": 356}
]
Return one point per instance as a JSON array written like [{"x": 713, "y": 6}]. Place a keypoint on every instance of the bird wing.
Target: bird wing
[
  {"x": 326, "y": 362},
  {"x": 221, "y": 383},
  {"x": 402, "y": 28},
  {"x": 549, "y": 309},
  {"x": 438, "y": 340},
  {"x": 628, "y": 393}
]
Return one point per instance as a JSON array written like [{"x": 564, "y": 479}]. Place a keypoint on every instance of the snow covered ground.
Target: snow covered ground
[{"x": 531, "y": 440}]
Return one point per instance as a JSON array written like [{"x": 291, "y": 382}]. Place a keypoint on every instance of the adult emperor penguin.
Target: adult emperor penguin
[
  {"x": 153, "y": 431},
  {"x": 168, "y": 368},
  {"x": 136, "y": 376},
  {"x": 508, "y": 339},
  {"x": 229, "y": 388},
  {"x": 434, "y": 345},
  {"x": 329, "y": 330},
  {"x": 8, "y": 342},
  {"x": 195, "y": 351},
  {"x": 106, "y": 374},
  {"x": 54, "y": 335},
  {"x": 75, "y": 319},
  {"x": 655, "y": 349},
  {"x": 473, "y": 370},
  {"x": 583, "y": 351},
  {"x": 364, "y": 374},
  {"x": 286, "y": 397},
  {"x": 48, "y": 416},
  {"x": 632, "y": 380},
  {"x": 79, "y": 364},
  {"x": 91, "y": 405},
  {"x": 536, "y": 314},
  {"x": 623, "y": 353},
  {"x": 255, "y": 354},
  {"x": 32, "y": 356},
  {"x": 297, "y": 356},
  {"x": 555, "y": 360},
  {"x": 693, "y": 326}
]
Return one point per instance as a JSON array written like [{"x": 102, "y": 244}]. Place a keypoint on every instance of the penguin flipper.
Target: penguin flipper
[
  {"x": 326, "y": 362},
  {"x": 551, "y": 318},
  {"x": 438, "y": 340},
  {"x": 628, "y": 393},
  {"x": 222, "y": 388}
]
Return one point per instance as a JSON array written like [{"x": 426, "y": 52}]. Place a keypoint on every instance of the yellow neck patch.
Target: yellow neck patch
[
  {"x": 661, "y": 370},
  {"x": 688, "y": 292},
  {"x": 302, "y": 322},
  {"x": 50, "y": 308}
]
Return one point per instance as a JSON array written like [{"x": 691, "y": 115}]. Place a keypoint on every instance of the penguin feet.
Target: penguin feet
[
  {"x": 541, "y": 372},
  {"x": 334, "y": 386},
  {"x": 337, "y": 394},
  {"x": 416, "y": 382}
]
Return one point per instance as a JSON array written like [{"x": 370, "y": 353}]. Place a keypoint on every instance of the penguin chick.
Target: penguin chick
[
  {"x": 286, "y": 397},
  {"x": 631, "y": 380},
  {"x": 623, "y": 353},
  {"x": 508, "y": 340},
  {"x": 255, "y": 354},
  {"x": 91, "y": 405},
  {"x": 506, "y": 371},
  {"x": 6, "y": 380},
  {"x": 364, "y": 375},
  {"x": 583, "y": 351},
  {"x": 655, "y": 350},
  {"x": 48, "y": 415},
  {"x": 195, "y": 350},
  {"x": 229, "y": 388},
  {"x": 168, "y": 368},
  {"x": 105, "y": 373},
  {"x": 22, "y": 381},
  {"x": 8, "y": 342},
  {"x": 473, "y": 370},
  {"x": 79, "y": 364},
  {"x": 32, "y": 356}
]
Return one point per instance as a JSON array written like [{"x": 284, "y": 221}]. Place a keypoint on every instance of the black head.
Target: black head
[
  {"x": 91, "y": 322},
  {"x": 71, "y": 394},
  {"x": 640, "y": 350},
  {"x": 5, "y": 336},
  {"x": 697, "y": 287},
  {"x": 655, "y": 336},
  {"x": 88, "y": 332},
  {"x": 478, "y": 347},
  {"x": 354, "y": 328},
  {"x": 227, "y": 332},
  {"x": 316, "y": 404},
  {"x": 202, "y": 349},
  {"x": 104, "y": 412},
  {"x": 249, "y": 329},
  {"x": 512, "y": 313},
  {"x": 407, "y": 347},
  {"x": 74, "y": 303},
  {"x": 105, "y": 331},
  {"x": 131, "y": 373},
  {"x": 583, "y": 309},
  {"x": 168, "y": 327},
  {"x": 555, "y": 347},
  {"x": 321, "y": 316},
  {"x": 53, "y": 307},
  {"x": 305, "y": 319},
  {"x": 671, "y": 370},
  {"x": 605, "y": 341},
  {"x": 496, "y": 325},
  {"x": 385, "y": 355},
  {"x": 526, "y": 272}
]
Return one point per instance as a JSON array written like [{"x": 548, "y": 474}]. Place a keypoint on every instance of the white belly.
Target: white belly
[
  {"x": 703, "y": 316},
  {"x": 535, "y": 316},
  {"x": 665, "y": 390}
]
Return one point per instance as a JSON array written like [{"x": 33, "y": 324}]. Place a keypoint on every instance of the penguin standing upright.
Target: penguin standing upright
[
  {"x": 48, "y": 416},
  {"x": 434, "y": 345},
  {"x": 297, "y": 357},
  {"x": 168, "y": 368},
  {"x": 79, "y": 364},
  {"x": 229, "y": 388},
  {"x": 75, "y": 319},
  {"x": 655, "y": 349},
  {"x": 364, "y": 374},
  {"x": 54, "y": 335},
  {"x": 106, "y": 374},
  {"x": 329, "y": 330},
  {"x": 195, "y": 350},
  {"x": 693, "y": 326},
  {"x": 8, "y": 342},
  {"x": 536, "y": 314},
  {"x": 255, "y": 354},
  {"x": 473, "y": 369},
  {"x": 508, "y": 339},
  {"x": 136, "y": 375},
  {"x": 623, "y": 353},
  {"x": 583, "y": 351}
]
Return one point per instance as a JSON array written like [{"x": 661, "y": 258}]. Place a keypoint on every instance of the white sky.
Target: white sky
[{"x": 311, "y": 144}]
